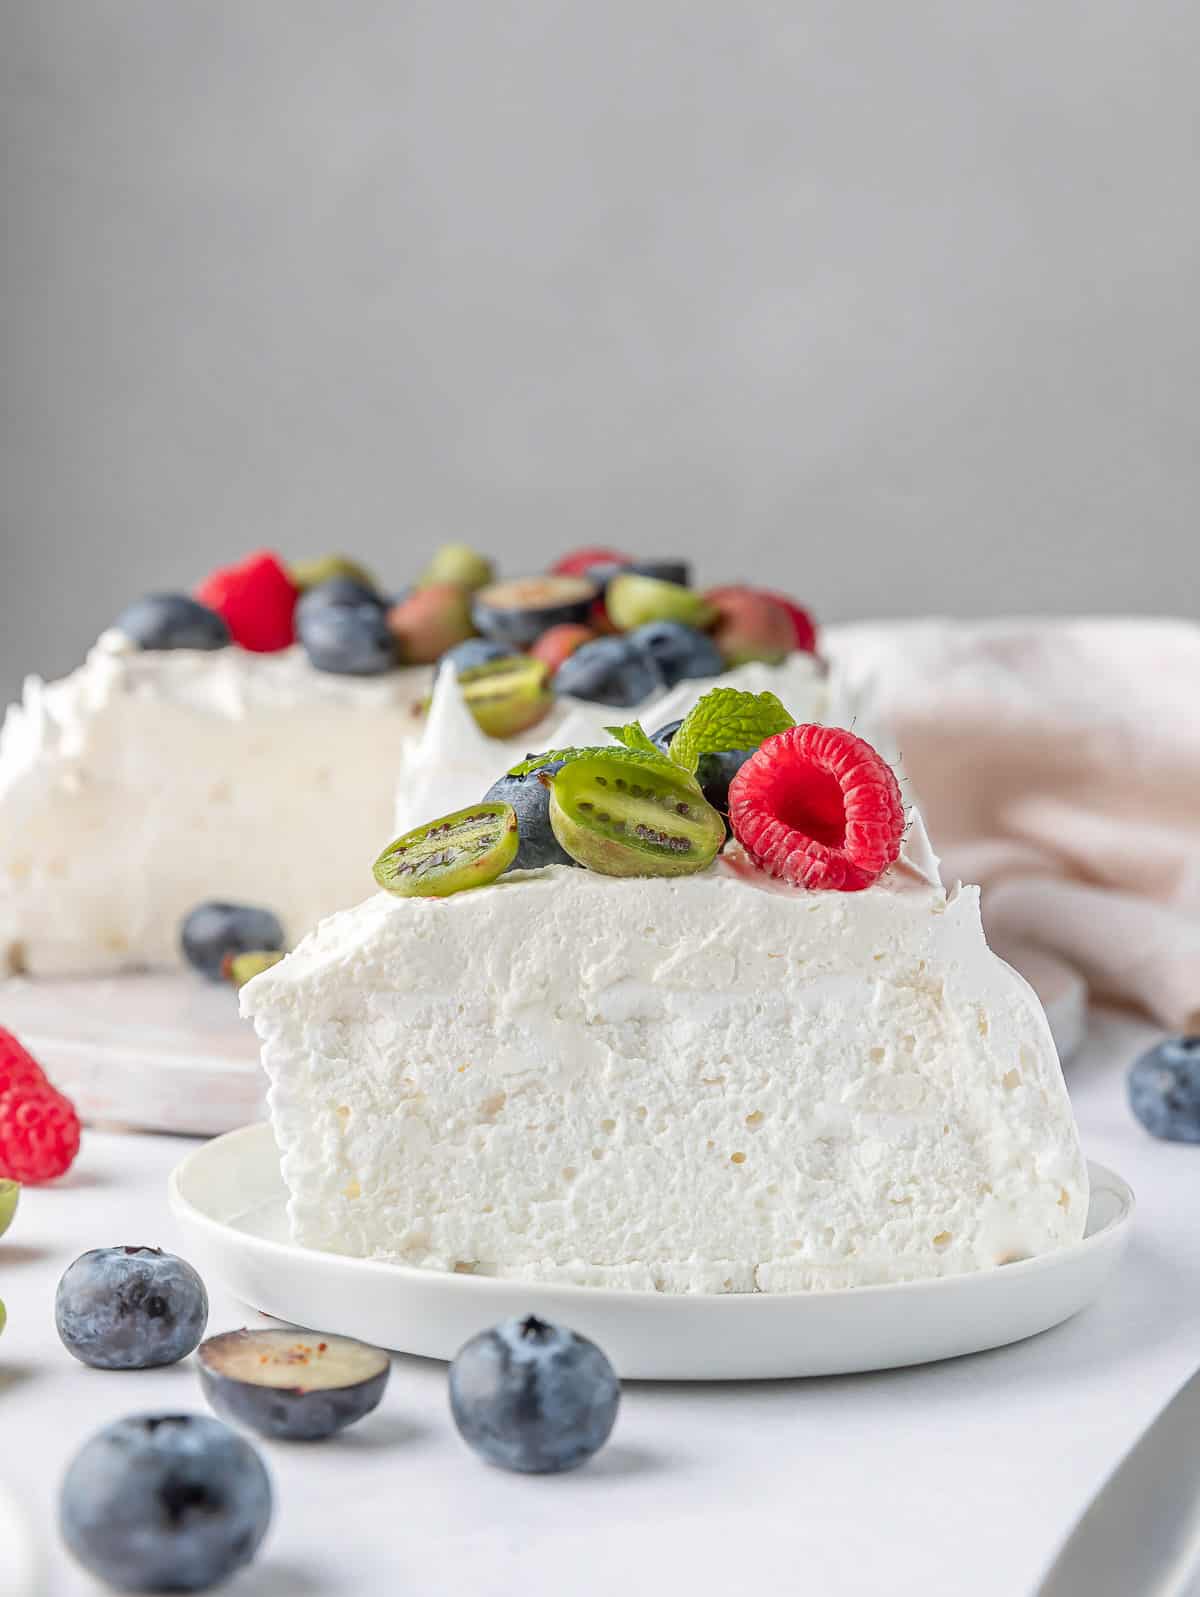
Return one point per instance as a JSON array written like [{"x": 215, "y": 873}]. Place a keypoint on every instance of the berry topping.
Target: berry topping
[
  {"x": 1164, "y": 1089},
  {"x": 751, "y": 626},
  {"x": 468, "y": 848},
  {"x": 172, "y": 621},
  {"x": 347, "y": 639},
  {"x": 805, "y": 640},
  {"x": 214, "y": 932},
  {"x": 257, "y": 601},
  {"x": 628, "y": 814},
  {"x": 333, "y": 593},
  {"x": 242, "y": 968},
  {"x": 292, "y": 1386},
  {"x": 508, "y": 696},
  {"x": 560, "y": 643},
  {"x": 581, "y": 560},
  {"x": 308, "y": 574},
  {"x": 632, "y": 600},
  {"x": 458, "y": 564},
  {"x": 609, "y": 671},
  {"x": 430, "y": 621},
  {"x": 467, "y": 655},
  {"x": 678, "y": 571},
  {"x": 680, "y": 653},
  {"x": 818, "y": 807},
  {"x": 130, "y": 1308},
  {"x": 39, "y": 1135},
  {"x": 165, "y": 1502},
  {"x": 516, "y": 613},
  {"x": 530, "y": 797},
  {"x": 533, "y": 1397}
]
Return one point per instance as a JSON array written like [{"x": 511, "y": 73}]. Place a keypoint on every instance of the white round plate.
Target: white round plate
[
  {"x": 229, "y": 1198},
  {"x": 158, "y": 1051}
]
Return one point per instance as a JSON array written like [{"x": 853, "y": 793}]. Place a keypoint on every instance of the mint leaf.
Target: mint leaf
[
  {"x": 727, "y": 718},
  {"x": 632, "y": 756},
  {"x": 633, "y": 737}
]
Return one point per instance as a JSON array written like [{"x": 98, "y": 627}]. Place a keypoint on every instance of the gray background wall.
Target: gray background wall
[{"x": 891, "y": 304}]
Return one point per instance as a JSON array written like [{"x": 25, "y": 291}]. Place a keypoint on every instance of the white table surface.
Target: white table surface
[{"x": 947, "y": 1480}]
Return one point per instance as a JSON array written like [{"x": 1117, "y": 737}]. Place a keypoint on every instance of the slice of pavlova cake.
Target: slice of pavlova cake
[{"x": 655, "y": 1058}]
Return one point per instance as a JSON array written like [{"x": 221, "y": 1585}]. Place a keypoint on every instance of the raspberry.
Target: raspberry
[
  {"x": 802, "y": 623},
  {"x": 818, "y": 807},
  {"x": 39, "y": 1135},
  {"x": 19, "y": 1070},
  {"x": 257, "y": 601},
  {"x": 579, "y": 561}
]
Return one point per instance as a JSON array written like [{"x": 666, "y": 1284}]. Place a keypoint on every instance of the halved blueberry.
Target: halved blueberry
[{"x": 292, "y": 1386}]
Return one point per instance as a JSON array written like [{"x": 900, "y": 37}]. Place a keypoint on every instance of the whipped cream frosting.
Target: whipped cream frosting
[
  {"x": 146, "y": 782},
  {"x": 711, "y": 1083}
]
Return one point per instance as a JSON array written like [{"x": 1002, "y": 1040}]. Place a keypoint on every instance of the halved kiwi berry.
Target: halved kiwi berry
[
  {"x": 633, "y": 600},
  {"x": 469, "y": 848},
  {"x": 633, "y": 819},
  {"x": 507, "y": 696},
  {"x": 516, "y": 613}
]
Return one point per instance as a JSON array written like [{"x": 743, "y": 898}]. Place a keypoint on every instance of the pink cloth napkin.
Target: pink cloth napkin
[{"x": 1057, "y": 763}]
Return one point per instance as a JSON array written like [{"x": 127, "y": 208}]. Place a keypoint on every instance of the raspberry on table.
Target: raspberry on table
[
  {"x": 18, "y": 1068},
  {"x": 818, "y": 807},
  {"x": 39, "y": 1134},
  {"x": 257, "y": 601}
]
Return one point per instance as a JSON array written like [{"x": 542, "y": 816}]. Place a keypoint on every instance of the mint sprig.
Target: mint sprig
[
  {"x": 634, "y": 736},
  {"x": 727, "y": 718},
  {"x": 535, "y": 762}
]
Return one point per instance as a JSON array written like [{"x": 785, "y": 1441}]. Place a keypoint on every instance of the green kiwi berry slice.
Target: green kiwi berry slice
[
  {"x": 626, "y": 818},
  {"x": 507, "y": 696},
  {"x": 469, "y": 848},
  {"x": 634, "y": 601}
]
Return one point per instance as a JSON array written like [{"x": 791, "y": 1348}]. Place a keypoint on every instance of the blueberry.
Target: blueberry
[
  {"x": 679, "y": 571},
  {"x": 292, "y": 1386},
  {"x": 165, "y": 1502},
  {"x": 173, "y": 621},
  {"x": 680, "y": 652},
  {"x": 213, "y": 932},
  {"x": 609, "y": 671},
  {"x": 1164, "y": 1089},
  {"x": 533, "y": 1397},
  {"x": 475, "y": 651},
  {"x": 531, "y": 799},
  {"x": 130, "y": 1308},
  {"x": 335, "y": 593},
  {"x": 714, "y": 772},
  {"x": 348, "y": 639}
]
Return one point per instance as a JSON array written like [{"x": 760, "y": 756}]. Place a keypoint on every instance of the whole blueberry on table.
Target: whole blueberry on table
[
  {"x": 347, "y": 639},
  {"x": 172, "y": 621},
  {"x": 680, "y": 652},
  {"x": 1164, "y": 1089},
  {"x": 533, "y": 1397},
  {"x": 130, "y": 1308},
  {"x": 165, "y": 1503},
  {"x": 530, "y": 797},
  {"x": 214, "y": 932},
  {"x": 609, "y": 671}
]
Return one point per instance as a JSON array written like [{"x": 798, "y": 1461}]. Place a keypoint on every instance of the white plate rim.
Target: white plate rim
[{"x": 1101, "y": 1178}]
